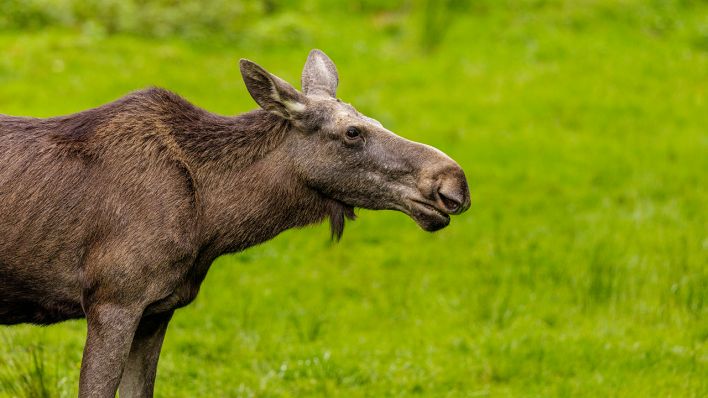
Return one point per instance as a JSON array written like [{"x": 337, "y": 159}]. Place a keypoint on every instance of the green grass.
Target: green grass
[{"x": 581, "y": 269}]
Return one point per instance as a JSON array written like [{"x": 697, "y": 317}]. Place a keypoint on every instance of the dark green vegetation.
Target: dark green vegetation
[{"x": 580, "y": 270}]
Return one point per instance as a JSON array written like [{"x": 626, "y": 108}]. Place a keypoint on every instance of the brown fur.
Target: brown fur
[{"x": 116, "y": 213}]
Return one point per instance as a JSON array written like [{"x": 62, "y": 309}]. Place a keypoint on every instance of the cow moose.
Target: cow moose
[{"x": 116, "y": 213}]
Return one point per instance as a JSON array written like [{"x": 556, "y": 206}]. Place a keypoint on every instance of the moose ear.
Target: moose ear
[
  {"x": 271, "y": 92},
  {"x": 319, "y": 76}
]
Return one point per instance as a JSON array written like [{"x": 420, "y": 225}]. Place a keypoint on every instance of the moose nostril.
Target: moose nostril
[
  {"x": 451, "y": 191},
  {"x": 451, "y": 203}
]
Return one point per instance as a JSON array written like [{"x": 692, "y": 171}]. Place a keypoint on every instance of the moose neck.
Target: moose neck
[{"x": 246, "y": 188}]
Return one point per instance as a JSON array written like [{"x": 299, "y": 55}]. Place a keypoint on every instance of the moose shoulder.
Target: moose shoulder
[{"x": 116, "y": 213}]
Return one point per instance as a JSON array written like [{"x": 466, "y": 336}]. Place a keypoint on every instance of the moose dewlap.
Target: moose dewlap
[{"x": 116, "y": 213}]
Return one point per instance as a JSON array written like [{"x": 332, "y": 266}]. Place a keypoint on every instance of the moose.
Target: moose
[{"x": 116, "y": 213}]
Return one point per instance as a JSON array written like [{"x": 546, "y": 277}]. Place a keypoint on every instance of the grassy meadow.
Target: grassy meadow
[{"x": 581, "y": 269}]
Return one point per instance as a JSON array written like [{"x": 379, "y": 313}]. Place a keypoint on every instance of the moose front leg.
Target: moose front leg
[
  {"x": 110, "y": 333},
  {"x": 140, "y": 370}
]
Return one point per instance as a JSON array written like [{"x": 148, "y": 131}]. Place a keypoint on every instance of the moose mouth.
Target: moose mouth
[{"x": 427, "y": 216}]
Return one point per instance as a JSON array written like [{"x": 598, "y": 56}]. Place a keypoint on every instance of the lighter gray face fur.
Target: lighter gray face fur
[{"x": 352, "y": 158}]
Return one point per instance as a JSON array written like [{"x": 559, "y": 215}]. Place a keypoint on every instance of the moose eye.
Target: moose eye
[{"x": 353, "y": 133}]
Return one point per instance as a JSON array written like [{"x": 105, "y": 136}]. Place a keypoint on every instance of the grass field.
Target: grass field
[{"x": 581, "y": 269}]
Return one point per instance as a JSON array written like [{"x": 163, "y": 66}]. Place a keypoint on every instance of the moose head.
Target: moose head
[{"x": 352, "y": 158}]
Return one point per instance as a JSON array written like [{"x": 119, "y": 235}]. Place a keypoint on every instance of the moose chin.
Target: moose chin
[{"x": 116, "y": 213}]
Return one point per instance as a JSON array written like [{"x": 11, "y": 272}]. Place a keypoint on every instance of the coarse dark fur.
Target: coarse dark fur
[
  {"x": 158, "y": 134},
  {"x": 116, "y": 213}
]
